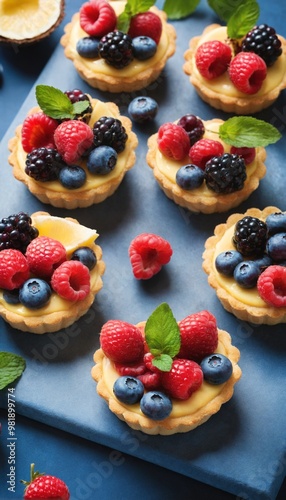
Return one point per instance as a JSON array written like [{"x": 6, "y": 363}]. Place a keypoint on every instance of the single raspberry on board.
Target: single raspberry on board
[
  {"x": 247, "y": 72},
  {"x": 204, "y": 150},
  {"x": 71, "y": 280},
  {"x": 213, "y": 58},
  {"x": 45, "y": 487},
  {"x": 184, "y": 378},
  {"x": 173, "y": 141},
  {"x": 14, "y": 269},
  {"x": 271, "y": 286},
  {"x": 122, "y": 342},
  {"x": 44, "y": 255},
  {"x": 148, "y": 253},
  {"x": 199, "y": 336},
  {"x": 38, "y": 131},
  {"x": 97, "y": 18},
  {"x": 146, "y": 24},
  {"x": 73, "y": 138}
]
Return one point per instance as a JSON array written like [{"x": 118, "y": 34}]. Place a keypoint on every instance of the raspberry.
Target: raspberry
[
  {"x": 199, "y": 336},
  {"x": 271, "y": 286},
  {"x": 193, "y": 126},
  {"x": 132, "y": 369},
  {"x": 97, "y": 18},
  {"x": 43, "y": 164},
  {"x": 73, "y": 138},
  {"x": 225, "y": 174},
  {"x": 263, "y": 41},
  {"x": 14, "y": 269},
  {"x": 248, "y": 154},
  {"x": 247, "y": 72},
  {"x": 122, "y": 342},
  {"x": 44, "y": 255},
  {"x": 38, "y": 131},
  {"x": 16, "y": 231},
  {"x": 213, "y": 58},
  {"x": 146, "y": 24},
  {"x": 150, "y": 380},
  {"x": 116, "y": 49},
  {"x": 203, "y": 150},
  {"x": 109, "y": 131},
  {"x": 148, "y": 253},
  {"x": 173, "y": 141},
  {"x": 250, "y": 236},
  {"x": 148, "y": 360},
  {"x": 71, "y": 280},
  {"x": 184, "y": 378}
]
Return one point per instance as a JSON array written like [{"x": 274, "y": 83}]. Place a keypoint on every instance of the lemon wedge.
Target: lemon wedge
[{"x": 69, "y": 232}]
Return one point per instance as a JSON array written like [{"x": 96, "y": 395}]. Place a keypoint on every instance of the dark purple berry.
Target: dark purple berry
[
  {"x": 116, "y": 49},
  {"x": 193, "y": 126},
  {"x": 263, "y": 41}
]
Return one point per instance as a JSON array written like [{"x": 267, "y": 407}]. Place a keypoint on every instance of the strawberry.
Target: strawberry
[
  {"x": 173, "y": 141},
  {"x": 73, "y": 138},
  {"x": 122, "y": 342},
  {"x": 247, "y": 71},
  {"x": 184, "y": 378},
  {"x": 43, "y": 486},
  {"x": 44, "y": 255},
  {"x": 213, "y": 58},
  {"x": 199, "y": 336},
  {"x": 204, "y": 150},
  {"x": 71, "y": 280},
  {"x": 38, "y": 131},
  {"x": 148, "y": 253},
  {"x": 146, "y": 24},
  {"x": 14, "y": 269},
  {"x": 97, "y": 18}
]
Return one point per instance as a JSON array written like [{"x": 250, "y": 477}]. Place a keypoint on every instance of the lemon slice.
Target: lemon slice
[
  {"x": 27, "y": 19},
  {"x": 69, "y": 232}
]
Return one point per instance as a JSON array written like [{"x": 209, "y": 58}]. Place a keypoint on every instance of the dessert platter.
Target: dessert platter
[{"x": 244, "y": 427}]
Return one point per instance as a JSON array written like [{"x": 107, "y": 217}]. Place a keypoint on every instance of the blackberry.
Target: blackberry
[
  {"x": 225, "y": 174},
  {"x": 44, "y": 164},
  {"x": 116, "y": 49},
  {"x": 250, "y": 236},
  {"x": 263, "y": 41},
  {"x": 193, "y": 126},
  {"x": 77, "y": 95},
  {"x": 16, "y": 231},
  {"x": 109, "y": 131}
]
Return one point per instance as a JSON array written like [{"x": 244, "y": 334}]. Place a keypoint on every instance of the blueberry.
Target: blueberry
[
  {"x": 144, "y": 47},
  {"x": 128, "y": 390},
  {"x": 11, "y": 296},
  {"x": 142, "y": 109},
  {"x": 86, "y": 256},
  {"x": 227, "y": 261},
  {"x": 88, "y": 47},
  {"x": 276, "y": 247},
  {"x": 35, "y": 293},
  {"x": 156, "y": 405},
  {"x": 276, "y": 223},
  {"x": 190, "y": 177},
  {"x": 263, "y": 262},
  {"x": 101, "y": 160},
  {"x": 216, "y": 368},
  {"x": 246, "y": 274},
  {"x": 72, "y": 176}
]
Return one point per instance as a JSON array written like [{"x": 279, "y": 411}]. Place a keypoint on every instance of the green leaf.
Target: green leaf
[
  {"x": 53, "y": 102},
  {"x": 243, "y": 19},
  {"x": 163, "y": 362},
  {"x": 80, "y": 106},
  {"x": 180, "y": 8},
  {"x": 246, "y": 131},
  {"x": 132, "y": 8},
  {"x": 162, "y": 332},
  {"x": 224, "y": 9},
  {"x": 11, "y": 367}
]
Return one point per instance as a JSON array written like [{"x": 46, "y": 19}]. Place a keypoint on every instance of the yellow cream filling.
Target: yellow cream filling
[{"x": 223, "y": 85}]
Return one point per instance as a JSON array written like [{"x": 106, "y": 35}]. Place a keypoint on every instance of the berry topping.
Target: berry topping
[
  {"x": 263, "y": 41},
  {"x": 131, "y": 369},
  {"x": 77, "y": 95},
  {"x": 88, "y": 47},
  {"x": 86, "y": 256},
  {"x": 247, "y": 72},
  {"x": 72, "y": 176},
  {"x": 199, "y": 335},
  {"x": 73, "y": 138},
  {"x": 271, "y": 286},
  {"x": 250, "y": 236},
  {"x": 109, "y": 131},
  {"x": 184, "y": 378},
  {"x": 35, "y": 293},
  {"x": 173, "y": 141},
  {"x": 116, "y": 49},
  {"x": 144, "y": 47},
  {"x": 193, "y": 126},
  {"x": 213, "y": 58},
  {"x": 16, "y": 231},
  {"x": 71, "y": 281},
  {"x": 44, "y": 255},
  {"x": 227, "y": 261},
  {"x": 276, "y": 247},
  {"x": 151, "y": 380},
  {"x": 190, "y": 177},
  {"x": 204, "y": 150},
  {"x": 42, "y": 487},
  {"x": 246, "y": 273},
  {"x": 276, "y": 223},
  {"x": 97, "y": 17},
  {"x": 146, "y": 24},
  {"x": 217, "y": 368},
  {"x": 102, "y": 160},
  {"x": 248, "y": 154},
  {"x": 225, "y": 174},
  {"x": 122, "y": 342},
  {"x": 38, "y": 131},
  {"x": 142, "y": 109},
  {"x": 14, "y": 269},
  {"x": 44, "y": 164},
  {"x": 128, "y": 390},
  {"x": 148, "y": 253},
  {"x": 156, "y": 405}
]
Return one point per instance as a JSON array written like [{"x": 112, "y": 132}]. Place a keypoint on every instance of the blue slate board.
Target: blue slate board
[{"x": 241, "y": 449}]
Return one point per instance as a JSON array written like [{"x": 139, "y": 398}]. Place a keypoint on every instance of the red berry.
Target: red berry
[
  {"x": 248, "y": 154},
  {"x": 38, "y": 131},
  {"x": 204, "y": 150},
  {"x": 151, "y": 380},
  {"x": 173, "y": 141},
  {"x": 199, "y": 336},
  {"x": 97, "y": 18},
  {"x": 45, "y": 487},
  {"x": 247, "y": 72},
  {"x": 184, "y": 378},
  {"x": 213, "y": 58},
  {"x": 44, "y": 255},
  {"x": 146, "y": 24},
  {"x": 71, "y": 280},
  {"x": 122, "y": 342},
  {"x": 271, "y": 286},
  {"x": 148, "y": 253},
  {"x": 73, "y": 138},
  {"x": 14, "y": 269},
  {"x": 148, "y": 360},
  {"x": 132, "y": 369}
]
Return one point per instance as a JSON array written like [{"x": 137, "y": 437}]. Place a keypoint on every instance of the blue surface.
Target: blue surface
[{"x": 242, "y": 449}]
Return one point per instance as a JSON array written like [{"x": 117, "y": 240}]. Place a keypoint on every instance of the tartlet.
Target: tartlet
[
  {"x": 220, "y": 93},
  {"x": 137, "y": 75}
]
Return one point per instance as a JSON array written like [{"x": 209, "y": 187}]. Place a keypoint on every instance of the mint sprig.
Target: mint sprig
[
  {"x": 132, "y": 8},
  {"x": 11, "y": 367},
  {"x": 163, "y": 337},
  {"x": 180, "y": 8},
  {"x": 243, "y": 19},
  {"x": 56, "y": 104},
  {"x": 247, "y": 131}
]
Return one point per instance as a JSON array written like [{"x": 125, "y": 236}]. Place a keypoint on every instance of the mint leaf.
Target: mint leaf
[
  {"x": 11, "y": 367},
  {"x": 246, "y": 131},
  {"x": 55, "y": 104},
  {"x": 132, "y": 8},
  {"x": 80, "y": 106},
  {"x": 163, "y": 362},
  {"x": 243, "y": 19},
  {"x": 224, "y": 9},
  {"x": 180, "y": 8}
]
